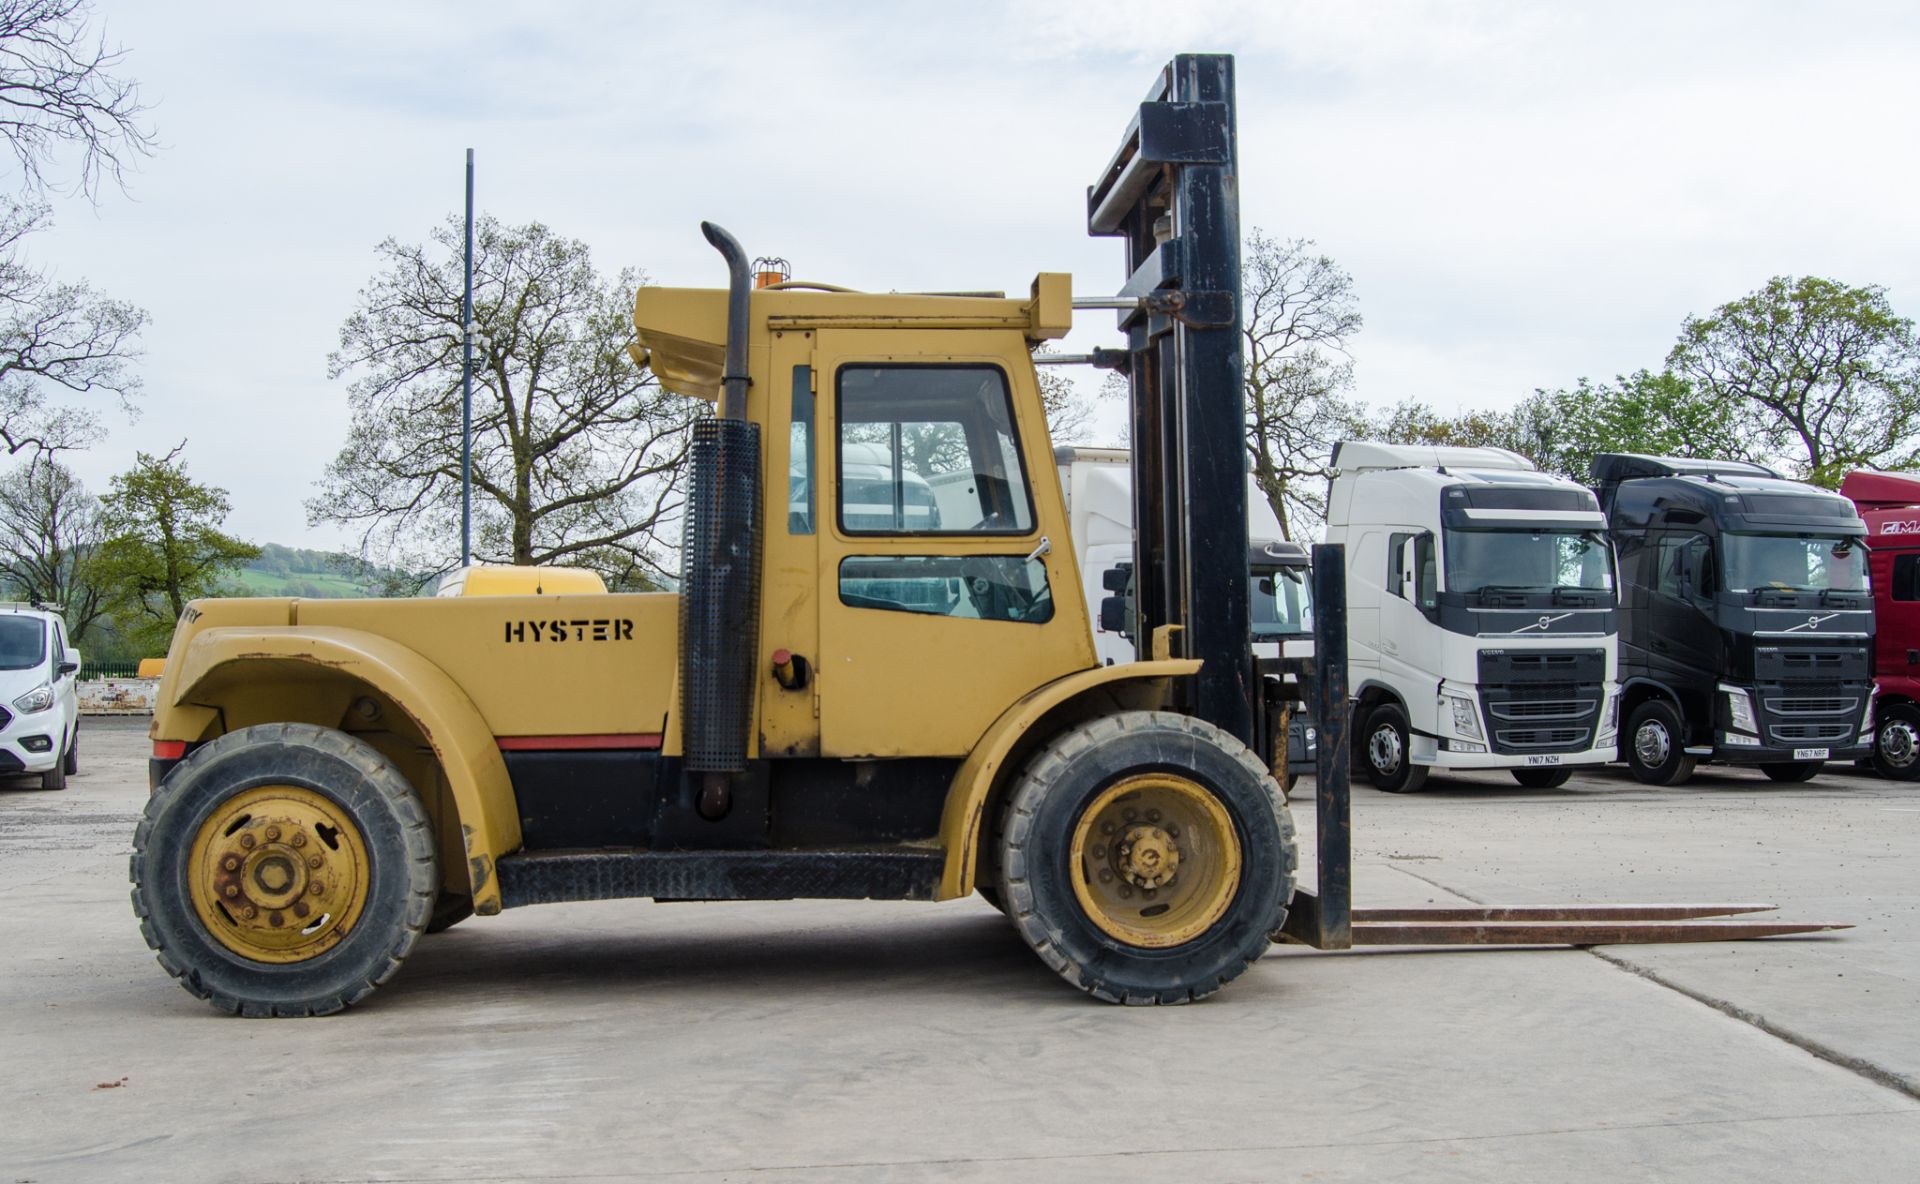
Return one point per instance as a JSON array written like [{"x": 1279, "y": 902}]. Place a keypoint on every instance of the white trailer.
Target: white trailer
[{"x": 1481, "y": 616}]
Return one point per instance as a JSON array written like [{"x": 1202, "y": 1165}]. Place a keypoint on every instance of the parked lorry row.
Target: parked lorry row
[{"x": 1676, "y": 611}]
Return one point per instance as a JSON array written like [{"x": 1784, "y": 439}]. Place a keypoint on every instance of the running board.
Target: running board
[{"x": 1551, "y": 925}]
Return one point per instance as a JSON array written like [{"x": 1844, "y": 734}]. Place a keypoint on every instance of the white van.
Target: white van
[{"x": 39, "y": 709}]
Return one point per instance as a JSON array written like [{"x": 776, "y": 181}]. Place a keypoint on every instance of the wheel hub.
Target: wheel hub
[
  {"x": 1147, "y": 857},
  {"x": 1897, "y": 744},
  {"x": 1383, "y": 749},
  {"x": 1155, "y": 860},
  {"x": 1651, "y": 744},
  {"x": 278, "y": 874}
]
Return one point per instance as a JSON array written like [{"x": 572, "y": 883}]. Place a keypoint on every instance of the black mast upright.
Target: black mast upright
[{"x": 1172, "y": 193}]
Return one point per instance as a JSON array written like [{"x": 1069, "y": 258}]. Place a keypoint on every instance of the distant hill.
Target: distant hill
[{"x": 295, "y": 571}]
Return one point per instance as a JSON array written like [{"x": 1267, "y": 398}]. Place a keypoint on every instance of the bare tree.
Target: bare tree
[
  {"x": 1299, "y": 312},
  {"x": 577, "y": 454},
  {"x": 50, "y": 529},
  {"x": 60, "y": 94}
]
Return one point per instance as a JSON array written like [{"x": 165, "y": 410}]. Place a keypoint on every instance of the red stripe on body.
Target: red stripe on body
[{"x": 578, "y": 743}]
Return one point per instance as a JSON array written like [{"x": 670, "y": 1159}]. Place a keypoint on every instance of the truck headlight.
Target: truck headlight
[
  {"x": 1740, "y": 710},
  {"x": 1466, "y": 721},
  {"x": 38, "y": 699}
]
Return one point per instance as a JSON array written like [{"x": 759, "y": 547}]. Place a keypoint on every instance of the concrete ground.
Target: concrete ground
[{"x": 857, "y": 1041}]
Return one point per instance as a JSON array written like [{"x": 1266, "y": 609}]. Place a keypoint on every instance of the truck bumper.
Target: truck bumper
[{"x": 1747, "y": 754}]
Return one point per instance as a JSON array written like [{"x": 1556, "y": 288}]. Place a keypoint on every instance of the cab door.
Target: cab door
[{"x": 948, "y": 587}]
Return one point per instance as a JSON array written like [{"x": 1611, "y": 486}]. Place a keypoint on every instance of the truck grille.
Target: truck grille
[
  {"x": 1566, "y": 739},
  {"x": 1541, "y": 709},
  {"x": 1832, "y": 705},
  {"x": 1795, "y": 732}
]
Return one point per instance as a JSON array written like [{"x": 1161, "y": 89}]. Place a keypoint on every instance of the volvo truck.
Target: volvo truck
[
  {"x": 1747, "y": 624},
  {"x": 1481, "y": 614},
  {"x": 1889, "y": 503}
]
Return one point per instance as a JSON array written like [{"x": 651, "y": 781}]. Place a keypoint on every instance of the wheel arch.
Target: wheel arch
[
  {"x": 233, "y": 677},
  {"x": 981, "y": 782}
]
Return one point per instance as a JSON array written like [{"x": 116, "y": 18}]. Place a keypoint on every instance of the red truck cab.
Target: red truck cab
[{"x": 1889, "y": 503}]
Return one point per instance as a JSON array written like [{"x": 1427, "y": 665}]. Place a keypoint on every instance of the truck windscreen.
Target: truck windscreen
[
  {"x": 1528, "y": 561},
  {"x": 1281, "y": 604},
  {"x": 1794, "y": 563}
]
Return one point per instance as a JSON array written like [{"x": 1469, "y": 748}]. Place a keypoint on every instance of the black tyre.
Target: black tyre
[
  {"x": 1655, "y": 744},
  {"x": 449, "y": 909},
  {"x": 283, "y": 870},
  {"x": 1896, "y": 742},
  {"x": 72, "y": 761},
  {"x": 1543, "y": 778},
  {"x": 1146, "y": 856},
  {"x": 1386, "y": 751},
  {"x": 56, "y": 777},
  {"x": 1793, "y": 770}
]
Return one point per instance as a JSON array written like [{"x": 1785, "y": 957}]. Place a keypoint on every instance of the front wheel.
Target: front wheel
[
  {"x": 1792, "y": 770},
  {"x": 1387, "y": 751},
  {"x": 1146, "y": 856},
  {"x": 1537, "y": 778},
  {"x": 1656, "y": 744},
  {"x": 72, "y": 761},
  {"x": 283, "y": 870},
  {"x": 1896, "y": 742},
  {"x": 56, "y": 777}
]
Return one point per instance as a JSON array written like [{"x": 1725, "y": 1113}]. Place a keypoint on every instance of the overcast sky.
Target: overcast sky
[{"x": 1525, "y": 193}]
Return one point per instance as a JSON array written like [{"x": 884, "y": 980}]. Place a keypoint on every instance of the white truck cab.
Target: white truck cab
[
  {"x": 39, "y": 706},
  {"x": 1481, "y": 617}
]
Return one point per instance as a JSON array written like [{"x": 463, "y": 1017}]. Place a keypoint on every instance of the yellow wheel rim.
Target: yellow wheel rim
[
  {"x": 1155, "y": 860},
  {"x": 278, "y": 874}
]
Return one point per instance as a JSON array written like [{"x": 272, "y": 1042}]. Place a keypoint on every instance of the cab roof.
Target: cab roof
[{"x": 684, "y": 330}]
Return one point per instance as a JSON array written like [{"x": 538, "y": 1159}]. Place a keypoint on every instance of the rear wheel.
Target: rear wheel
[
  {"x": 1896, "y": 742},
  {"x": 1386, "y": 749},
  {"x": 1146, "y": 856},
  {"x": 1534, "y": 778},
  {"x": 283, "y": 870},
  {"x": 1656, "y": 745},
  {"x": 1792, "y": 770}
]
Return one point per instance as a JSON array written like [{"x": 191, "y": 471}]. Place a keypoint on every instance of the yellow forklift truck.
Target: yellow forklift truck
[{"x": 877, "y": 680}]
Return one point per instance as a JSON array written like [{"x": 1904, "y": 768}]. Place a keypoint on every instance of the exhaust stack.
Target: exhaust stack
[{"x": 720, "y": 564}]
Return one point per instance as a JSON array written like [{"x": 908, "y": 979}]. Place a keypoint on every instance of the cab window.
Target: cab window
[{"x": 929, "y": 450}]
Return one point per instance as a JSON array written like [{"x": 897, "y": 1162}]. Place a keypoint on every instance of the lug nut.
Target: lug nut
[
  {"x": 313, "y": 861},
  {"x": 1153, "y": 815},
  {"x": 1126, "y": 893},
  {"x": 300, "y": 909},
  {"x": 230, "y": 891},
  {"x": 299, "y": 838},
  {"x": 231, "y": 863},
  {"x": 246, "y": 841},
  {"x": 273, "y": 834},
  {"x": 1106, "y": 875},
  {"x": 1106, "y": 828},
  {"x": 1173, "y": 832},
  {"x": 1130, "y": 813},
  {"x": 249, "y": 912},
  {"x": 316, "y": 888},
  {"x": 275, "y": 920}
]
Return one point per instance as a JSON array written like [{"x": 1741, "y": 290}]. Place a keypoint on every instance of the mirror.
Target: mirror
[{"x": 68, "y": 667}]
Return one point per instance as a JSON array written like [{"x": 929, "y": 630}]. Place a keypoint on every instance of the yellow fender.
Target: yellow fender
[
  {"x": 469, "y": 756},
  {"x": 974, "y": 780}
]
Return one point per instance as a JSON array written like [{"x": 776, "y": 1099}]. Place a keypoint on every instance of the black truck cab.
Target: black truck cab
[{"x": 1746, "y": 621}]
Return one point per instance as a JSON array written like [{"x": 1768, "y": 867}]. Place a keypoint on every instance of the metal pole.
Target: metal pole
[
  {"x": 1331, "y": 715},
  {"x": 466, "y": 386}
]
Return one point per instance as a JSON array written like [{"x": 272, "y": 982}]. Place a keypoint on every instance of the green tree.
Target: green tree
[
  {"x": 1826, "y": 375},
  {"x": 164, "y": 547},
  {"x": 578, "y": 455},
  {"x": 50, "y": 533},
  {"x": 1299, "y": 312}
]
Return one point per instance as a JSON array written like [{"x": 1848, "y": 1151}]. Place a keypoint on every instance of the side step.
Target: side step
[
  {"x": 1550, "y": 925},
  {"x": 550, "y": 877}
]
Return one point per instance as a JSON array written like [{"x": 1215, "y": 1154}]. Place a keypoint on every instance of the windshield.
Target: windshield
[
  {"x": 1528, "y": 560},
  {"x": 23, "y": 643},
  {"x": 1794, "y": 563},
  {"x": 1281, "y": 603}
]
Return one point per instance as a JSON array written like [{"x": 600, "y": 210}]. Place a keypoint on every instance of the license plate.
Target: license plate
[
  {"x": 1809, "y": 754},
  {"x": 1554, "y": 760}
]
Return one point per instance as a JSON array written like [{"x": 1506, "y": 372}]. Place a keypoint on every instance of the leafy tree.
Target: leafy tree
[
  {"x": 1299, "y": 313},
  {"x": 164, "y": 546},
  {"x": 1824, "y": 374},
  {"x": 577, "y": 454},
  {"x": 50, "y": 533}
]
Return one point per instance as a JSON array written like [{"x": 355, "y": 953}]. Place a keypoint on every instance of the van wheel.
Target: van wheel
[
  {"x": 1792, "y": 770},
  {"x": 1656, "y": 745},
  {"x": 56, "y": 777},
  {"x": 1387, "y": 752},
  {"x": 1896, "y": 742},
  {"x": 1543, "y": 778},
  {"x": 283, "y": 870},
  {"x": 1145, "y": 856},
  {"x": 72, "y": 761}
]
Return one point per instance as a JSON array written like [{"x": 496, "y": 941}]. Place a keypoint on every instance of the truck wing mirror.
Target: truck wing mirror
[
  {"x": 1116, "y": 616},
  {"x": 1117, "y": 577}
]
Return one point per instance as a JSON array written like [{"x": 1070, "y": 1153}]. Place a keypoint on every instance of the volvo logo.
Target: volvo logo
[
  {"x": 1813, "y": 622},
  {"x": 1543, "y": 623}
]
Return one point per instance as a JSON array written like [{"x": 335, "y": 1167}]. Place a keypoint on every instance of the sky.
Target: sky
[{"x": 1524, "y": 193}]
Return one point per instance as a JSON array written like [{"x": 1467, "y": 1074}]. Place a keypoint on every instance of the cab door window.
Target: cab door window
[{"x": 929, "y": 450}]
